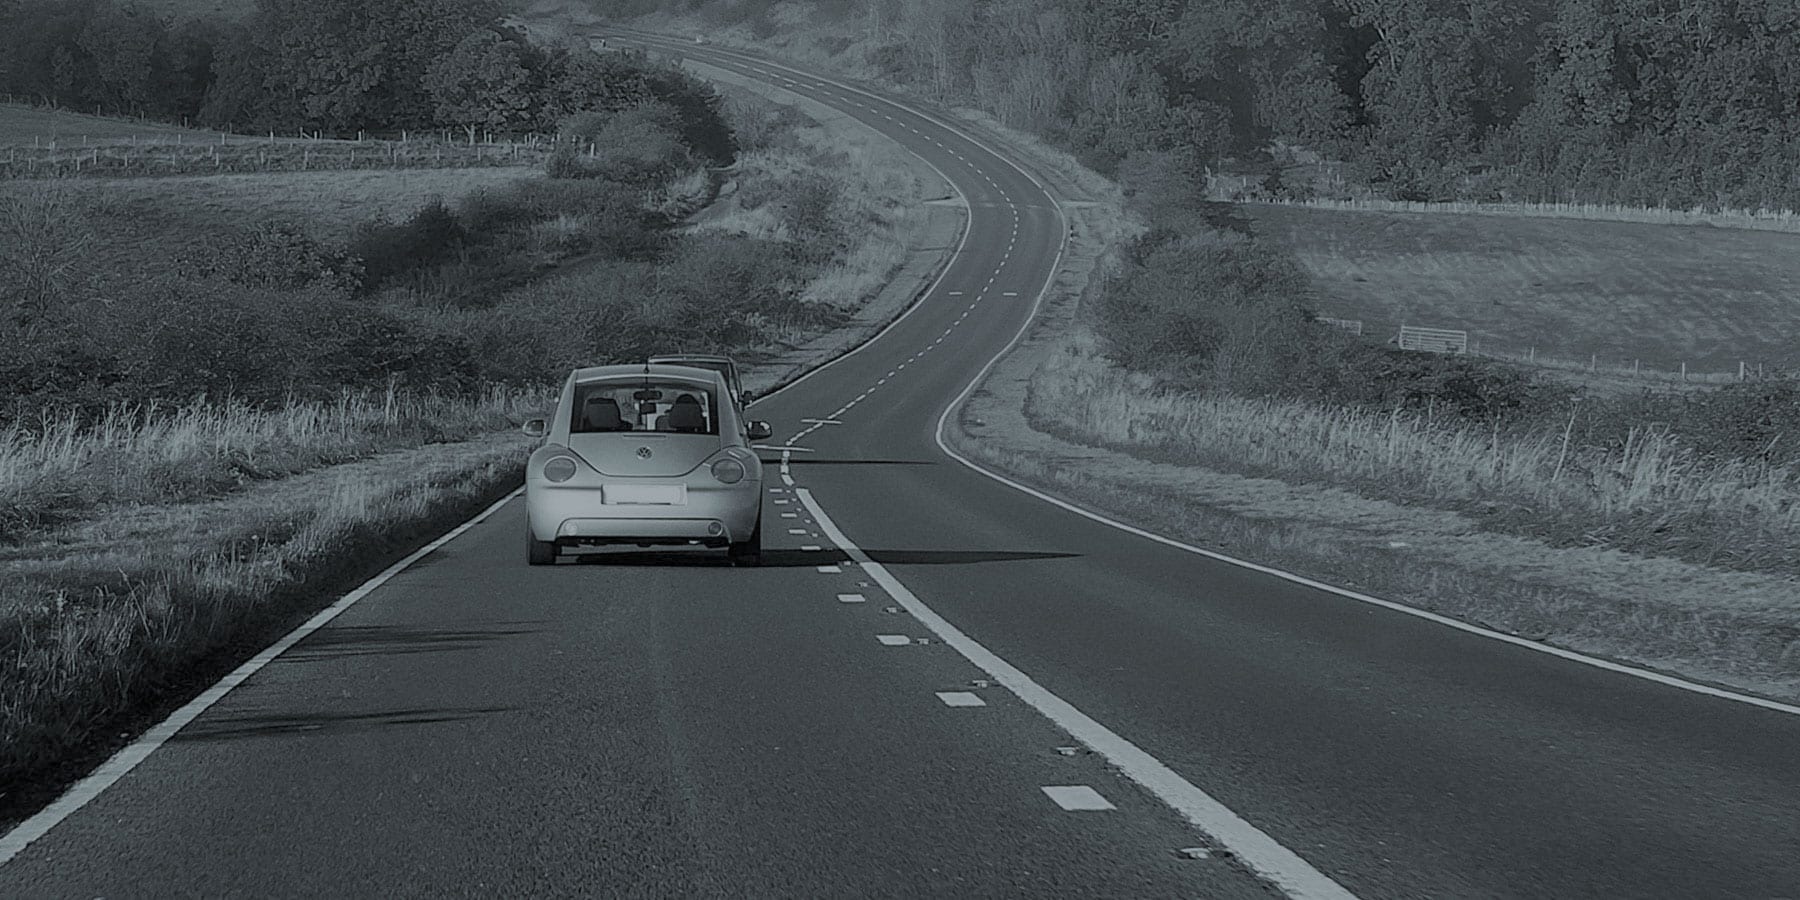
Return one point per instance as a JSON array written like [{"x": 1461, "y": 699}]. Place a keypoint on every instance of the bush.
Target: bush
[
  {"x": 386, "y": 250},
  {"x": 276, "y": 255},
  {"x": 1756, "y": 420},
  {"x": 1461, "y": 387},
  {"x": 368, "y": 348},
  {"x": 215, "y": 338},
  {"x": 1182, "y": 298}
]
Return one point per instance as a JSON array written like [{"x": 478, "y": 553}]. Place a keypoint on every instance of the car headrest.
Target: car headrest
[
  {"x": 685, "y": 415},
  {"x": 602, "y": 414}
]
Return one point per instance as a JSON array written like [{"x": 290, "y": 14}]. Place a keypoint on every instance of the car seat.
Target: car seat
[
  {"x": 685, "y": 415},
  {"x": 602, "y": 414}
]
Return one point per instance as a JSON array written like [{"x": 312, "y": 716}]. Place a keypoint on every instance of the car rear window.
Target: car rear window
[{"x": 678, "y": 407}]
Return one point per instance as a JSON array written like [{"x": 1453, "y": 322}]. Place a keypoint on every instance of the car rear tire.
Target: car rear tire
[
  {"x": 748, "y": 552},
  {"x": 539, "y": 553}
]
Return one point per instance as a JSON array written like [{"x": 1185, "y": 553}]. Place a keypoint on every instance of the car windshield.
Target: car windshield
[{"x": 679, "y": 407}]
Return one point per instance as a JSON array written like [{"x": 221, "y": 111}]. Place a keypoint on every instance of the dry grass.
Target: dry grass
[
  {"x": 878, "y": 206},
  {"x": 64, "y": 468},
  {"x": 114, "y": 616},
  {"x": 1729, "y": 628},
  {"x": 1650, "y": 494},
  {"x": 1623, "y": 292}
]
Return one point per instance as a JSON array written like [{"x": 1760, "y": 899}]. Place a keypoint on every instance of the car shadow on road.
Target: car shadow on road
[
  {"x": 806, "y": 559},
  {"x": 234, "y": 727},
  {"x": 336, "y": 642}
]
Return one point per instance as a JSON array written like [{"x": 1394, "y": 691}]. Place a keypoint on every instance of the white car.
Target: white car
[{"x": 648, "y": 455}]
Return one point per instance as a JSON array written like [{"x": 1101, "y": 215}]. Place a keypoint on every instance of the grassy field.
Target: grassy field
[
  {"x": 325, "y": 202},
  {"x": 180, "y": 10},
  {"x": 1658, "y": 294},
  {"x": 25, "y": 126}
]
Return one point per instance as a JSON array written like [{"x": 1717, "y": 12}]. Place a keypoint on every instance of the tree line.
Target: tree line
[
  {"x": 1679, "y": 102},
  {"x": 332, "y": 66}
]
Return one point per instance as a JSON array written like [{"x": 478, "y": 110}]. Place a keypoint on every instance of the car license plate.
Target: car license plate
[{"x": 645, "y": 494}]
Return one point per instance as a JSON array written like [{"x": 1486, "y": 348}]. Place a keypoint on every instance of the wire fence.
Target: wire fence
[
  {"x": 1662, "y": 371},
  {"x": 111, "y": 148}
]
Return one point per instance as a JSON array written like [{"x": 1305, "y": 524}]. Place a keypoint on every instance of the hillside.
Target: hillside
[
  {"x": 1661, "y": 294},
  {"x": 25, "y": 126}
]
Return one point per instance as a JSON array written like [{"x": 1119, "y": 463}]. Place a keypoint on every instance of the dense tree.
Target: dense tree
[{"x": 481, "y": 81}]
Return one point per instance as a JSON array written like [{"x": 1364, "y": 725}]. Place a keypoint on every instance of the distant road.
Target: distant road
[{"x": 665, "y": 725}]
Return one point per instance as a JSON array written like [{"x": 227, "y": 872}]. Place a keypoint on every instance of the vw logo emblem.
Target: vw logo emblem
[{"x": 643, "y": 453}]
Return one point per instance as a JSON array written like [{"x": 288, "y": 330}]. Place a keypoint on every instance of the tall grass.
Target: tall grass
[
  {"x": 88, "y": 639},
  {"x": 61, "y": 465},
  {"x": 1783, "y": 220},
  {"x": 1652, "y": 491}
]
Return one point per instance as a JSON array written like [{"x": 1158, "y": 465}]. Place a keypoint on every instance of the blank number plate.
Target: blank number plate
[{"x": 645, "y": 494}]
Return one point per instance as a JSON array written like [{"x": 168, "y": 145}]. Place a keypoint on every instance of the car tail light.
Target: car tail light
[
  {"x": 559, "y": 469},
  {"x": 728, "y": 470}
]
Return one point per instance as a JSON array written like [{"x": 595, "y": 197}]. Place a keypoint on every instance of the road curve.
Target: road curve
[{"x": 665, "y": 725}]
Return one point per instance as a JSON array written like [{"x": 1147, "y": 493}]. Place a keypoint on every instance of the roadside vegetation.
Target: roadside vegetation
[
  {"x": 225, "y": 396},
  {"x": 1196, "y": 342}
]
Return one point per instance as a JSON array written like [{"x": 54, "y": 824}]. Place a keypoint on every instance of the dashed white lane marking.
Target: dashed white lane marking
[
  {"x": 787, "y": 479},
  {"x": 955, "y": 294},
  {"x": 1274, "y": 862},
  {"x": 881, "y": 381},
  {"x": 796, "y": 531},
  {"x": 122, "y": 762},
  {"x": 781, "y": 502},
  {"x": 1077, "y": 797},
  {"x": 960, "y": 698},
  {"x": 851, "y": 598},
  {"x": 810, "y": 548},
  {"x": 893, "y": 640},
  {"x": 829, "y": 570},
  {"x": 816, "y": 422},
  {"x": 1009, "y": 293},
  {"x": 790, "y": 515}
]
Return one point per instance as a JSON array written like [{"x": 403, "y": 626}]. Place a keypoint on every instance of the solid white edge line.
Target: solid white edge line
[
  {"x": 137, "y": 751},
  {"x": 1268, "y": 858},
  {"x": 1559, "y": 652}
]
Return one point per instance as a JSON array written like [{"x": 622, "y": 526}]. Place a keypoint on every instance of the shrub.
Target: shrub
[
  {"x": 1180, "y": 298},
  {"x": 1757, "y": 420},
  {"x": 1468, "y": 388},
  {"x": 369, "y": 347},
  {"x": 216, "y": 338},
  {"x": 431, "y": 236},
  {"x": 275, "y": 255}
]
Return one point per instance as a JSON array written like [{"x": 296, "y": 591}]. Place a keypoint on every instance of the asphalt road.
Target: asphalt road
[{"x": 665, "y": 725}]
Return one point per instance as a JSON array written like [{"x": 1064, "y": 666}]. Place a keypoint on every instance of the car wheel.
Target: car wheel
[
  {"x": 539, "y": 553},
  {"x": 749, "y": 552}
]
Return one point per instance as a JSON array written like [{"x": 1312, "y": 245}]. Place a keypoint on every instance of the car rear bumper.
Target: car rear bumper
[
  {"x": 642, "y": 531},
  {"x": 580, "y": 516}
]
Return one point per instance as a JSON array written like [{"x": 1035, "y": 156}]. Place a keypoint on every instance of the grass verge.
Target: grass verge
[
  {"x": 108, "y": 625},
  {"x": 1736, "y": 628}
]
